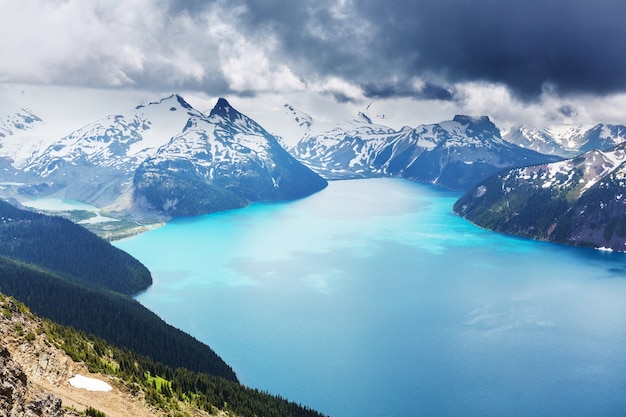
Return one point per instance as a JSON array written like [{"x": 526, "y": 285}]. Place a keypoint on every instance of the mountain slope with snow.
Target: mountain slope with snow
[
  {"x": 567, "y": 140},
  {"x": 21, "y": 120},
  {"x": 95, "y": 164},
  {"x": 455, "y": 154},
  {"x": 219, "y": 162},
  {"x": 579, "y": 201},
  {"x": 107, "y": 163}
]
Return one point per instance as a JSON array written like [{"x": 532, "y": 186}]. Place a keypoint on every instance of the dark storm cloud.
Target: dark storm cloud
[
  {"x": 426, "y": 90},
  {"x": 575, "y": 45},
  {"x": 391, "y": 48}
]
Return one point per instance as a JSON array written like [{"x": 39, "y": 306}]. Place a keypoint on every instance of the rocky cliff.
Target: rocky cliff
[{"x": 18, "y": 397}]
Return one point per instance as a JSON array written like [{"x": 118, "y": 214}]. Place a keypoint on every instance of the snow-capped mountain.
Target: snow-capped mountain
[
  {"x": 16, "y": 137},
  {"x": 348, "y": 150},
  {"x": 103, "y": 162},
  {"x": 22, "y": 120},
  {"x": 603, "y": 137},
  {"x": 121, "y": 141},
  {"x": 455, "y": 154},
  {"x": 222, "y": 161},
  {"x": 580, "y": 201},
  {"x": 567, "y": 140},
  {"x": 95, "y": 164},
  {"x": 296, "y": 124}
]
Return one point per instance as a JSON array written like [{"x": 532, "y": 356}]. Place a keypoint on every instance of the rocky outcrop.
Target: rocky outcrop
[{"x": 16, "y": 394}]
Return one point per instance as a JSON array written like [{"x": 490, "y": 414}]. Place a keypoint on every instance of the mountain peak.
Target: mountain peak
[
  {"x": 224, "y": 109},
  {"x": 182, "y": 102},
  {"x": 176, "y": 97},
  {"x": 478, "y": 126},
  {"x": 467, "y": 120},
  {"x": 222, "y": 102}
]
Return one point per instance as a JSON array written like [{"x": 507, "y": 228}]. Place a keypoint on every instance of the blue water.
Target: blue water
[{"x": 371, "y": 298}]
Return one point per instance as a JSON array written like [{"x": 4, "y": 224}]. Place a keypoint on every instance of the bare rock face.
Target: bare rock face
[{"x": 15, "y": 396}]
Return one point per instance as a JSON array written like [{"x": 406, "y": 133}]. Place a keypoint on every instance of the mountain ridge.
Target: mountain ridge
[
  {"x": 40, "y": 361},
  {"x": 579, "y": 201},
  {"x": 567, "y": 140},
  {"x": 455, "y": 153},
  {"x": 220, "y": 162}
]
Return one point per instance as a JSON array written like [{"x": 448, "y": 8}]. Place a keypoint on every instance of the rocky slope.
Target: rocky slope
[
  {"x": 580, "y": 201},
  {"x": 18, "y": 397},
  {"x": 50, "y": 370},
  {"x": 35, "y": 374}
]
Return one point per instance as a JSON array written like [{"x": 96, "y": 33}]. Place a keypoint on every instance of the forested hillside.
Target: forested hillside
[
  {"x": 69, "y": 250},
  {"x": 579, "y": 201},
  {"x": 113, "y": 317},
  {"x": 66, "y": 273},
  {"x": 157, "y": 389}
]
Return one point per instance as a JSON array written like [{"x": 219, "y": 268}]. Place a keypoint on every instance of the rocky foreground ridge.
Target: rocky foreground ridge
[
  {"x": 35, "y": 374},
  {"x": 53, "y": 369}
]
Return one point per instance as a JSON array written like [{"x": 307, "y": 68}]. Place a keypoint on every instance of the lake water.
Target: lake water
[
  {"x": 371, "y": 298},
  {"x": 50, "y": 204}
]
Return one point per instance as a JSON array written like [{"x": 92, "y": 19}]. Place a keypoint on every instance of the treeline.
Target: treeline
[
  {"x": 111, "y": 316},
  {"x": 203, "y": 391},
  {"x": 70, "y": 250},
  {"x": 528, "y": 211}
]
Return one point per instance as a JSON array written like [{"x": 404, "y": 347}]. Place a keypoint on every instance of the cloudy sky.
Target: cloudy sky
[{"x": 532, "y": 61}]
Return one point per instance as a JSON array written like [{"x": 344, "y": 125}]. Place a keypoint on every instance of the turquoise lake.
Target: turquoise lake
[{"x": 372, "y": 298}]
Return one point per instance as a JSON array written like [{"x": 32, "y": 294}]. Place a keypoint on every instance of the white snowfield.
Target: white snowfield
[{"x": 90, "y": 384}]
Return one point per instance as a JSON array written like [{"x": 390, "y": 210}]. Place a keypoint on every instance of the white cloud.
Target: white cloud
[
  {"x": 247, "y": 64},
  {"x": 550, "y": 108},
  {"x": 97, "y": 43},
  {"x": 338, "y": 87},
  {"x": 144, "y": 45}
]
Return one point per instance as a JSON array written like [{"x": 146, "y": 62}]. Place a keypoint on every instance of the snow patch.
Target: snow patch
[{"x": 90, "y": 384}]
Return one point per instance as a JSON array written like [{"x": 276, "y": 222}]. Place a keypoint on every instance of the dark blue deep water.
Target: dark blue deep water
[{"x": 371, "y": 298}]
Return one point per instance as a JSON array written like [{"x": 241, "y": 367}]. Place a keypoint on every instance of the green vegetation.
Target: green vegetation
[
  {"x": 112, "y": 316},
  {"x": 555, "y": 212},
  {"x": 69, "y": 250},
  {"x": 527, "y": 210},
  {"x": 92, "y": 412},
  {"x": 164, "y": 387}
]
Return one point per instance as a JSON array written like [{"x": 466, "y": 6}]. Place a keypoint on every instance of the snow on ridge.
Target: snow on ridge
[
  {"x": 168, "y": 117},
  {"x": 117, "y": 140},
  {"x": 22, "y": 120},
  {"x": 593, "y": 165},
  {"x": 568, "y": 136}
]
